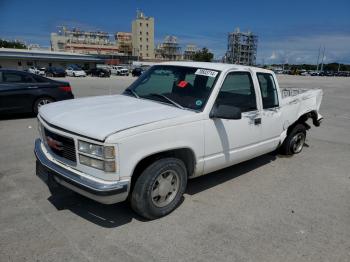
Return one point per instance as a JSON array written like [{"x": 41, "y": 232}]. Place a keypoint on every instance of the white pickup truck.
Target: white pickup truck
[
  {"x": 179, "y": 120},
  {"x": 119, "y": 70}
]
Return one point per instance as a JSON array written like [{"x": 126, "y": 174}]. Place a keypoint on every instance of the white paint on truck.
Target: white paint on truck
[{"x": 139, "y": 127}]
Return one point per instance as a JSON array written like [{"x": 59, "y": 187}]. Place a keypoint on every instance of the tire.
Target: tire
[
  {"x": 149, "y": 199},
  {"x": 294, "y": 142},
  {"x": 40, "y": 102}
]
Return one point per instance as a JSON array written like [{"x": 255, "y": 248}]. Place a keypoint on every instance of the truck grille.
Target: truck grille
[{"x": 61, "y": 146}]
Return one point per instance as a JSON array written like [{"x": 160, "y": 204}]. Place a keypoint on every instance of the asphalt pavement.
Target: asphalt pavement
[{"x": 271, "y": 208}]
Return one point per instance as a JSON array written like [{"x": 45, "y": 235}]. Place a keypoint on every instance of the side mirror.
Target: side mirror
[{"x": 225, "y": 112}]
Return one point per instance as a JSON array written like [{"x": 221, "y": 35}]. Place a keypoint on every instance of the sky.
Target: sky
[{"x": 288, "y": 31}]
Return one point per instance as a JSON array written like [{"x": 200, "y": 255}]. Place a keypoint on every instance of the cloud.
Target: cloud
[{"x": 305, "y": 49}]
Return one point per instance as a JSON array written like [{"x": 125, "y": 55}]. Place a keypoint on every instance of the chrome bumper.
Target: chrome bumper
[{"x": 101, "y": 191}]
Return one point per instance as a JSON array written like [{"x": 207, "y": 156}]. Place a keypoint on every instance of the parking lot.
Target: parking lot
[{"x": 271, "y": 208}]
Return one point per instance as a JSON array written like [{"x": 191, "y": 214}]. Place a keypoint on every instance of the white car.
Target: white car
[
  {"x": 37, "y": 71},
  {"x": 33, "y": 70},
  {"x": 178, "y": 121},
  {"x": 75, "y": 71},
  {"x": 119, "y": 70},
  {"x": 41, "y": 71}
]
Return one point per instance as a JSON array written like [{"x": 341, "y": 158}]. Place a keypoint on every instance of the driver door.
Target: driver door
[{"x": 228, "y": 142}]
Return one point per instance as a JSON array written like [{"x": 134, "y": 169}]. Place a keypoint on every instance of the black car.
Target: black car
[
  {"x": 100, "y": 72},
  {"x": 137, "y": 71},
  {"x": 22, "y": 92},
  {"x": 55, "y": 72}
]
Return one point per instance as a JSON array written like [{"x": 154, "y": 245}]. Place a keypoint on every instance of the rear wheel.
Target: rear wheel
[
  {"x": 295, "y": 140},
  {"x": 159, "y": 189},
  {"x": 40, "y": 102}
]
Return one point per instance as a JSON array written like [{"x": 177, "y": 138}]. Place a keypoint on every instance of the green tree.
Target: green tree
[
  {"x": 12, "y": 44},
  {"x": 203, "y": 55}
]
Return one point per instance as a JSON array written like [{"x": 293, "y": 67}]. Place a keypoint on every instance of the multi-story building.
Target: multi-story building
[
  {"x": 241, "y": 48},
  {"x": 124, "y": 41},
  {"x": 143, "y": 36},
  {"x": 169, "y": 49},
  {"x": 83, "y": 42},
  {"x": 189, "y": 52}
]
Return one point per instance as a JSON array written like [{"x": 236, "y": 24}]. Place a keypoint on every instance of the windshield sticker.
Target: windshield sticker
[
  {"x": 199, "y": 102},
  {"x": 182, "y": 84},
  {"x": 205, "y": 72}
]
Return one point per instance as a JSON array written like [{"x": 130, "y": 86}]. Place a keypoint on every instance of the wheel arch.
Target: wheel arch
[
  {"x": 303, "y": 119},
  {"x": 185, "y": 154},
  {"x": 36, "y": 98}
]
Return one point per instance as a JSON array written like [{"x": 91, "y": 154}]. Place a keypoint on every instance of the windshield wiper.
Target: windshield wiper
[
  {"x": 167, "y": 99},
  {"x": 132, "y": 92}
]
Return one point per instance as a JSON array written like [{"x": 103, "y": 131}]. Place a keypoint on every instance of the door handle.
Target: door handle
[
  {"x": 257, "y": 121},
  {"x": 32, "y": 87}
]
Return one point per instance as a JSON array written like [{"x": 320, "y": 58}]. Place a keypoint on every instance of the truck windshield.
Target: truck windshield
[{"x": 184, "y": 87}]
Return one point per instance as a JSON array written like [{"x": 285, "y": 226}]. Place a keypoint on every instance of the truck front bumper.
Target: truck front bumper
[{"x": 105, "y": 192}]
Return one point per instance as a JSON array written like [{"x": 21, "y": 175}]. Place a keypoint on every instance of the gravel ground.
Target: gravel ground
[{"x": 271, "y": 208}]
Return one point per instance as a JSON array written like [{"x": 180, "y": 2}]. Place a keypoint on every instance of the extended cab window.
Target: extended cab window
[
  {"x": 268, "y": 90},
  {"x": 238, "y": 90}
]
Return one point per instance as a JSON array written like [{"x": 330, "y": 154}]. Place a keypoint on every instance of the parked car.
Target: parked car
[
  {"x": 305, "y": 73},
  {"x": 55, "y": 72},
  {"x": 22, "y": 92},
  {"x": 42, "y": 71},
  {"x": 74, "y": 70},
  {"x": 100, "y": 72},
  {"x": 137, "y": 71},
  {"x": 144, "y": 144},
  {"x": 120, "y": 71},
  {"x": 33, "y": 70}
]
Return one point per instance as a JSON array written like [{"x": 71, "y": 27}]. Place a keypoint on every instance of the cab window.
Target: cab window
[
  {"x": 238, "y": 90},
  {"x": 268, "y": 90}
]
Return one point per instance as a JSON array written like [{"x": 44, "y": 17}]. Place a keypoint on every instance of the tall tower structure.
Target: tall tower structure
[
  {"x": 241, "y": 48},
  {"x": 143, "y": 36}
]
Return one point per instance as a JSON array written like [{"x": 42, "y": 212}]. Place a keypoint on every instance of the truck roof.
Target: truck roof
[{"x": 215, "y": 66}]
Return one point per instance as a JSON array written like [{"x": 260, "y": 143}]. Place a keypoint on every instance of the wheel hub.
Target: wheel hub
[
  {"x": 165, "y": 188},
  {"x": 298, "y": 142}
]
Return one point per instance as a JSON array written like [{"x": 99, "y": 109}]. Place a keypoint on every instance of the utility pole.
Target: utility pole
[
  {"x": 324, "y": 50},
  {"x": 318, "y": 57}
]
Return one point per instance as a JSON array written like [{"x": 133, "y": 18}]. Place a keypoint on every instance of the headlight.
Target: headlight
[
  {"x": 93, "y": 162},
  {"x": 105, "y": 165},
  {"x": 90, "y": 149},
  {"x": 97, "y": 150},
  {"x": 97, "y": 156}
]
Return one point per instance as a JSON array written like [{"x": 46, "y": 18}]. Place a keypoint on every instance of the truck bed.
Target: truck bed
[{"x": 299, "y": 101}]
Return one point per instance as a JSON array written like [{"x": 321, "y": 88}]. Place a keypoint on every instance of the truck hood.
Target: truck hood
[{"x": 99, "y": 117}]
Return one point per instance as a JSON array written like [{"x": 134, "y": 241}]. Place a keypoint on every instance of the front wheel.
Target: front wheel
[
  {"x": 295, "y": 140},
  {"x": 159, "y": 189}
]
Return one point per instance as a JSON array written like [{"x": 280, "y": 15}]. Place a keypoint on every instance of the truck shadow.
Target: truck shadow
[
  {"x": 214, "y": 179},
  {"x": 112, "y": 216}
]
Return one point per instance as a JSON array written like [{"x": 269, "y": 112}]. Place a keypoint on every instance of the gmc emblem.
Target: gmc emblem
[{"x": 54, "y": 144}]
